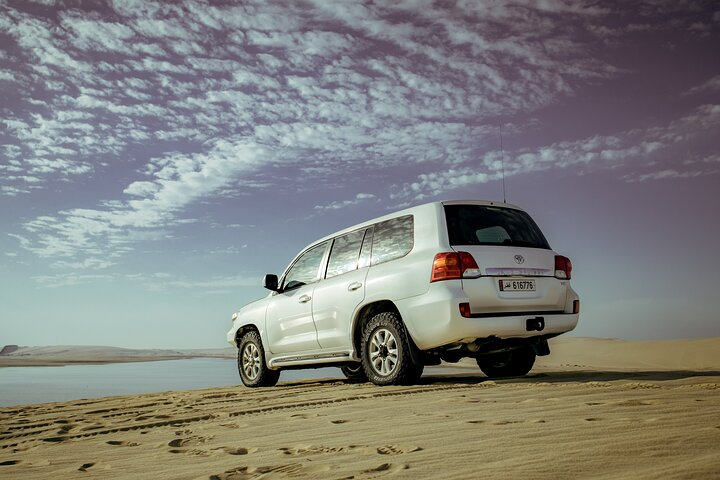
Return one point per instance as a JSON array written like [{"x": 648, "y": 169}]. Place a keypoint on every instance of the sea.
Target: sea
[{"x": 28, "y": 385}]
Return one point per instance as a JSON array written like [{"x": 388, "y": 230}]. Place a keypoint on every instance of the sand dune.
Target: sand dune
[{"x": 568, "y": 419}]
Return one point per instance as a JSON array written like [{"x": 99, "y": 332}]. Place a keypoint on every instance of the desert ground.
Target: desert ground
[{"x": 593, "y": 409}]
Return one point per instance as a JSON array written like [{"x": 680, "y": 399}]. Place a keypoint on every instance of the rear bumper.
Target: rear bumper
[{"x": 433, "y": 319}]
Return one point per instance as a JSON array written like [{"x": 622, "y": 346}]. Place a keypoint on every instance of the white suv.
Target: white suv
[{"x": 436, "y": 282}]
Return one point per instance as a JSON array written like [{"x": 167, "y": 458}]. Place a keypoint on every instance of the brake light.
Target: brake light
[
  {"x": 563, "y": 267},
  {"x": 453, "y": 266}
]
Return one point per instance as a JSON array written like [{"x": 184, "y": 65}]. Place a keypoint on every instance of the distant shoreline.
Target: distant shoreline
[{"x": 58, "y": 356}]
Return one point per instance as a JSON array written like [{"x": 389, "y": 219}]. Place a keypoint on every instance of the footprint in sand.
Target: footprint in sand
[
  {"x": 507, "y": 422},
  {"x": 634, "y": 403},
  {"x": 316, "y": 449},
  {"x": 385, "y": 469},
  {"x": 122, "y": 443},
  {"x": 236, "y": 450},
  {"x": 189, "y": 441},
  {"x": 396, "y": 450},
  {"x": 178, "y": 443},
  {"x": 291, "y": 469},
  {"x": 304, "y": 416}
]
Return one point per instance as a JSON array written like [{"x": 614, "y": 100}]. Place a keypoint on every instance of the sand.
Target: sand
[{"x": 593, "y": 409}]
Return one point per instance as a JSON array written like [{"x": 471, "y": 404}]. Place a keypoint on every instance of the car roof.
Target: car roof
[{"x": 411, "y": 211}]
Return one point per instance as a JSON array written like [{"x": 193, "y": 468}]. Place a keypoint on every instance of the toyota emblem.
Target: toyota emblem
[{"x": 519, "y": 259}]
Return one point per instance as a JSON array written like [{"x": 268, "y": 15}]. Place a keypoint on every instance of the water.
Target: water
[{"x": 26, "y": 385}]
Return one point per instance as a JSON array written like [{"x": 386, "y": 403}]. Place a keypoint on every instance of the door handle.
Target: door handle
[
  {"x": 354, "y": 286},
  {"x": 304, "y": 298}
]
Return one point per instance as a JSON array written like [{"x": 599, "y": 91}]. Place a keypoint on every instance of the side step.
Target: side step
[{"x": 292, "y": 360}]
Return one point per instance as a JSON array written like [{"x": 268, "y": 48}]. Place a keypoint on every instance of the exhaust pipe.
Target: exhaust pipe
[{"x": 536, "y": 324}]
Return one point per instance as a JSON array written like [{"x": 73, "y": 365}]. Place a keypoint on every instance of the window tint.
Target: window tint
[
  {"x": 392, "y": 239},
  {"x": 305, "y": 269},
  {"x": 345, "y": 253},
  {"x": 485, "y": 225}
]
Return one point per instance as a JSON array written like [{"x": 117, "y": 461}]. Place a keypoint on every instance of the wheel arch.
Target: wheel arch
[
  {"x": 369, "y": 311},
  {"x": 244, "y": 329},
  {"x": 364, "y": 315}
]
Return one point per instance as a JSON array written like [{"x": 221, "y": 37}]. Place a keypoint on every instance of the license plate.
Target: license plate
[{"x": 517, "y": 285}]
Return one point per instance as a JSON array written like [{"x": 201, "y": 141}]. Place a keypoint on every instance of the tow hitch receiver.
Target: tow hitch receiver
[{"x": 535, "y": 324}]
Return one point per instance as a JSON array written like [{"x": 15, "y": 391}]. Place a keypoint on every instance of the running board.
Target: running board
[{"x": 309, "y": 359}]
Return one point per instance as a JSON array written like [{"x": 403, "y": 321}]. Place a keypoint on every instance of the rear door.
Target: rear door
[
  {"x": 343, "y": 289},
  {"x": 516, "y": 263}
]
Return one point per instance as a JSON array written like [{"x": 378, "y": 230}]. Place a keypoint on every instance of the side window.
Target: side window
[
  {"x": 392, "y": 239},
  {"x": 345, "y": 253},
  {"x": 306, "y": 268}
]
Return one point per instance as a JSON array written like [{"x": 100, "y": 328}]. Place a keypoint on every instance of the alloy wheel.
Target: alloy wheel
[
  {"x": 383, "y": 352},
  {"x": 251, "y": 361}
]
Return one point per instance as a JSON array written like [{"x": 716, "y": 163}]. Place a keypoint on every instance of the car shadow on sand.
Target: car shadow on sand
[
  {"x": 440, "y": 376},
  {"x": 575, "y": 376}
]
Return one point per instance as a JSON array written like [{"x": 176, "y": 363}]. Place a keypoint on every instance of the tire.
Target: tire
[
  {"x": 354, "y": 372},
  {"x": 513, "y": 363},
  {"x": 385, "y": 351},
  {"x": 251, "y": 362}
]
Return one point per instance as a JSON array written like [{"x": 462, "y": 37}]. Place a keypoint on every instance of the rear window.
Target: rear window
[{"x": 487, "y": 225}]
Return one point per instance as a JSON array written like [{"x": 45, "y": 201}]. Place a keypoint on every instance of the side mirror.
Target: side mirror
[{"x": 271, "y": 282}]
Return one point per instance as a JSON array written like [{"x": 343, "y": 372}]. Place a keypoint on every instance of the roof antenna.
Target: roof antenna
[{"x": 502, "y": 162}]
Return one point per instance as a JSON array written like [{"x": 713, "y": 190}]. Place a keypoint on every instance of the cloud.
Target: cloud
[
  {"x": 71, "y": 279},
  {"x": 158, "y": 73},
  {"x": 359, "y": 198},
  {"x": 172, "y": 183},
  {"x": 654, "y": 147},
  {"x": 664, "y": 174}
]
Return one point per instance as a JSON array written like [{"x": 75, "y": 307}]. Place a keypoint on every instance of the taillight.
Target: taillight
[
  {"x": 563, "y": 267},
  {"x": 453, "y": 265}
]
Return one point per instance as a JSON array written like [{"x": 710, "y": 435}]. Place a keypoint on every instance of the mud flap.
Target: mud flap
[
  {"x": 541, "y": 348},
  {"x": 419, "y": 357}
]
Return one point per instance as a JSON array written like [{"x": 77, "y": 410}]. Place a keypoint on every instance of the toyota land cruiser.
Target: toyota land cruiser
[{"x": 435, "y": 282}]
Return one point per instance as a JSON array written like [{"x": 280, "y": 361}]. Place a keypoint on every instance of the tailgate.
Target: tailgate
[{"x": 514, "y": 279}]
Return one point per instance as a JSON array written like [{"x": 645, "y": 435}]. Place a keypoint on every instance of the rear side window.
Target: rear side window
[
  {"x": 345, "y": 253},
  {"x": 392, "y": 239},
  {"x": 487, "y": 225}
]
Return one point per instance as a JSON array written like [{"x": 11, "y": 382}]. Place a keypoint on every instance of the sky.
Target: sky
[{"x": 158, "y": 158}]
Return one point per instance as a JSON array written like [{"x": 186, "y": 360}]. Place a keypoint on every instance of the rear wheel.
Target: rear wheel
[
  {"x": 251, "y": 362},
  {"x": 513, "y": 363},
  {"x": 385, "y": 350},
  {"x": 354, "y": 372}
]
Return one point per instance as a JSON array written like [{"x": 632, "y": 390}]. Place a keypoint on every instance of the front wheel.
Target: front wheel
[
  {"x": 513, "y": 363},
  {"x": 251, "y": 362},
  {"x": 386, "y": 352}
]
